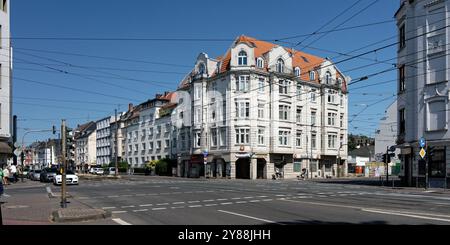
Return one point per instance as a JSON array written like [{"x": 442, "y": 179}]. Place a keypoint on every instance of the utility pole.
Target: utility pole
[
  {"x": 117, "y": 144},
  {"x": 14, "y": 136},
  {"x": 387, "y": 164},
  {"x": 64, "y": 163}
]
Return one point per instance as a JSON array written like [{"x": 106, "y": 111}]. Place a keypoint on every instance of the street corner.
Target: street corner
[{"x": 65, "y": 215}]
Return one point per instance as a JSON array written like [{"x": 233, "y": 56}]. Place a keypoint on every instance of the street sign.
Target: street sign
[
  {"x": 205, "y": 153},
  {"x": 422, "y": 142},
  {"x": 422, "y": 153},
  {"x": 17, "y": 152}
]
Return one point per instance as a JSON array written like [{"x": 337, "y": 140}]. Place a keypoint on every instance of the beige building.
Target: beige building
[{"x": 5, "y": 83}]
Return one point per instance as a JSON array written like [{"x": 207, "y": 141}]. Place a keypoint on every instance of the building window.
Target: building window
[
  {"x": 150, "y": 133},
  {"x": 401, "y": 79},
  {"x": 284, "y": 112},
  {"x": 299, "y": 114},
  {"x": 242, "y": 58},
  {"x": 223, "y": 135},
  {"x": 341, "y": 102},
  {"x": 197, "y": 115},
  {"x": 327, "y": 77},
  {"x": 331, "y": 96},
  {"x": 298, "y": 139},
  {"x": 437, "y": 115},
  {"x": 339, "y": 80},
  {"x": 341, "y": 141},
  {"x": 261, "y": 111},
  {"x": 331, "y": 118},
  {"x": 242, "y": 109},
  {"x": 260, "y": 63},
  {"x": 297, "y": 71},
  {"x": 437, "y": 163},
  {"x": 201, "y": 69},
  {"x": 299, "y": 91},
  {"x": 243, "y": 83},
  {"x": 158, "y": 144},
  {"x": 332, "y": 141},
  {"x": 4, "y": 7},
  {"x": 197, "y": 138},
  {"x": 401, "y": 117},
  {"x": 313, "y": 95},
  {"x": 167, "y": 144},
  {"x": 312, "y": 76},
  {"x": 158, "y": 130},
  {"x": 213, "y": 137},
  {"x": 313, "y": 118},
  {"x": 261, "y": 85},
  {"x": 313, "y": 141},
  {"x": 261, "y": 136},
  {"x": 150, "y": 146},
  {"x": 341, "y": 120},
  {"x": 283, "y": 137},
  {"x": 143, "y": 146},
  {"x": 183, "y": 141},
  {"x": 197, "y": 92},
  {"x": 242, "y": 136},
  {"x": 283, "y": 86},
  {"x": 280, "y": 65},
  {"x": 402, "y": 36}
]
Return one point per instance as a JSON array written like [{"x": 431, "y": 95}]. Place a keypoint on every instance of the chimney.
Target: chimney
[
  {"x": 158, "y": 96},
  {"x": 130, "y": 106},
  {"x": 166, "y": 93}
]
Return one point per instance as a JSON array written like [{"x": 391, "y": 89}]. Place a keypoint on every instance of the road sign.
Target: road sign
[
  {"x": 422, "y": 153},
  {"x": 17, "y": 152},
  {"x": 205, "y": 153},
  {"x": 422, "y": 142}
]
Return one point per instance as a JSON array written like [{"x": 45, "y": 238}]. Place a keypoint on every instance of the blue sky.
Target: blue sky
[{"x": 39, "y": 60}]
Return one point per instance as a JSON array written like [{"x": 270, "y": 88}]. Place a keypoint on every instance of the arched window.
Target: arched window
[
  {"x": 339, "y": 80},
  {"x": 242, "y": 58},
  {"x": 312, "y": 76},
  {"x": 297, "y": 71},
  {"x": 201, "y": 68},
  {"x": 280, "y": 65},
  {"x": 328, "y": 77},
  {"x": 260, "y": 63}
]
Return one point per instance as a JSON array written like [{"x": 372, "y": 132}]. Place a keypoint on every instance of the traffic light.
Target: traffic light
[
  {"x": 388, "y": 156},
  {"x": 54, "y": 129}
]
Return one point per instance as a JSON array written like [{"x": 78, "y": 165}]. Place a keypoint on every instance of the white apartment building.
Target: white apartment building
[
  {"x": 5, "y": 83},
  {"x": 149, "y": 130},
  {"x": 85, "y": 145},
  {"x": 103, "y": 141},
  {"x": 261, "y": 109},
  {"x": 423, "y": 90}
]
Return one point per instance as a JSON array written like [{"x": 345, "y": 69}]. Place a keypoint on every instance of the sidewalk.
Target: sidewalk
[{"x": 33, "y": 206}]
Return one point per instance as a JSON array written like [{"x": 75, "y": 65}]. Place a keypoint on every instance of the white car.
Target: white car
[
  {"x": 99, "y": 171},
  {"x": 71, "y": 178}
]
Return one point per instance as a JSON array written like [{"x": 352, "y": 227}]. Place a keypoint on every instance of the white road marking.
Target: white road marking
[
  {"x": 254, "y": 201},
  {"x": 193, "y": 201},
  {"x": 195, "y": 206},
  {"x": 250, "y": 217},
  {"x": 280, "y": 195},
  {"x": 118, "y": 212},
  {"x": 126, "y": 195},
  {"x": 267, "y": 200},
  {"x": 262, "y": 196},
  {"x": 161, "y": 204},
  {"x": 131, "y": 206},
  {"x": 247, "y": 197},
  {"x": 178, "y": 203},
  {"x": 210, "y": 205},
  {"x": 221, "y": 199},
  {"x": 158, "y": 208},
  {"x": 120, "y": 222},
  {"x": 145, "y": 205},
  {"x": 139, "y": 195},
  {"x": 236, "y": 198},
  {"x": 108, "y": 207},
  {"x": 140, "y": 210},
  {"x": 209, "y": 200},
  {"x": 403, "y": 214},
  {"x": 241, "y": 202},
  {"x": 226, "y": 203}
]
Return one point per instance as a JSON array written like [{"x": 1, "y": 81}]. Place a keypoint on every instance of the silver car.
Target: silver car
[{"x": 35, "y": 174}]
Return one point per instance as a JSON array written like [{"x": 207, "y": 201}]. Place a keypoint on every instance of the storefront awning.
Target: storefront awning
[{"x": 5, "y": 148}]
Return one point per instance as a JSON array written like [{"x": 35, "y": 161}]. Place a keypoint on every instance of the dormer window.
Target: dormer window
[
  {"x": 339, "y": 80},
  {"x": 242, "y": 58},
  {"x": 260, "y": 63},
  {"x": 328, "y": 77},
  {"x": 312, "y": 76},
  {"x": 297, "y": 71},
  {"x": 201, "y": 69},
  {"x": 280, "y": 65}
]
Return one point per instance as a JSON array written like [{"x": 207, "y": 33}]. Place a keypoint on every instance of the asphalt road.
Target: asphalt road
[{"x": 143, "y": 200}]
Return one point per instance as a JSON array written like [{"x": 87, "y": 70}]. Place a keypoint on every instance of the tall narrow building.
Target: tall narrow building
[
  {"x": 423, "y": 91},
  {"x": 5, "y": 83}
]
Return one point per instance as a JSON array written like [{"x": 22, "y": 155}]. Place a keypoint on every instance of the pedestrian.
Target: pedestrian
[
  {"x": 1, "y": 182},
  {"x": 5, "y": 176},
  {"x": 13, "y": 172},
  {"x": 20, "y": 173}
]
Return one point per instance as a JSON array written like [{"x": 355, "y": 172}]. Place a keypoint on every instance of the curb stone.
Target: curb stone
[{"x": 94, "y": 214}]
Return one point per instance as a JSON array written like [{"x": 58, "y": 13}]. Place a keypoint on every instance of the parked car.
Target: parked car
[
  {"x": 48, "y": 174},
  {"x": 99, "y": 171},
  {"x": 110, "y": 171},
  {"x": 71, "y": 178},
  {"x": 35, "y": 175}
]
